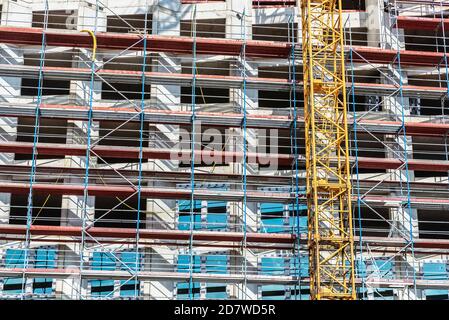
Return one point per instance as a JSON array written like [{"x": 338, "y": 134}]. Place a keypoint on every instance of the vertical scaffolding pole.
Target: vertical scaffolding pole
[
  {"x": 37, "y": 112},
  {"x": 294, "y": 135},
  {"x": 244, "y": 147},
  {"x": 141, "y": 137},
  {"x": 360, "y": 272},
  {"x": 443, "y": 30},
  {"x": 403, "y": 138},
  {"x": 327, "y": 153},
  {"x": 88, "y": 151},
  {"x": 192, "y": 160}
]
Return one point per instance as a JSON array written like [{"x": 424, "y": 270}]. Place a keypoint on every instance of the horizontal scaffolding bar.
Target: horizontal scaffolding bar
[
  {"x": 147, "y": 275},
  {"x": 130, "y": 233},
  {"x": 388, "y": 56},
  {"x": 155, "y": 43},
  {"x": 218, "y": 156},
  {"x": 205, "y": 194},
  {"x": 146, "y": 192},
  {"x": 184, "y": 45},
  {"x": 218, "y": 237},
  {"x": 122, "y": 76},
  {"x": 256, "y": 3},
  {"x": 419, "y": 189},
  {"x": 177, "y": 175},
  {"x": 421, "y": 23},
  {"x": 204, "y": 277},
  {"x": 210, "y": 118},
  {"x": 73, "y": 112}
]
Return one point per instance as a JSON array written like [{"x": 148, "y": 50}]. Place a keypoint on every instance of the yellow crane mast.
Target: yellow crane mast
[{"x": 330, "y": 231}]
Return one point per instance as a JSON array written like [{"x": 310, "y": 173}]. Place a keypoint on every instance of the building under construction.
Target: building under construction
[{"x": 233, "y": 149}]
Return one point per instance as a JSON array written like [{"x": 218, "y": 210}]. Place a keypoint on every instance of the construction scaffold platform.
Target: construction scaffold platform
[{"x": 224, "y": 149}]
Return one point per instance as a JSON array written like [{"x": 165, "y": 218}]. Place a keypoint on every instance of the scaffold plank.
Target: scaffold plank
[{"x": 155, "y": 43}]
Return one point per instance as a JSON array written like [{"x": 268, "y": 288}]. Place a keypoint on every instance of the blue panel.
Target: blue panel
[
  {"x": 302, "y": 224},
  {"x": 384, "y": 268},
  {"x": 130, "y": 288},
  {"x": 183, "y": 266},
  {"x": 217, "y": 212},
  {"x": 272, "y": 218},
  {"x": 184, "y": 215},
  {"x": 273, "y": 297},
  {"x": 103, "y": 261},
  {"x": 130, "y": 260},
  {"x": 299, "y": 266},
  {"x": 216, "y": 221},
  {"x": 185, "y": 285},
  {"x": 184, "y": 263},
  {"x": 435, "y": 271},
  {"x": 273, "y": 287},
  {"x": 274, "y": 225},
  {"x": 216, "y": 204},
  {"x": 216, "y": 264},
  {"x": 301, "y": 207},
  {"x": 45, "y": 259},
  {"x": 361, "y": 273},
  {"x": 183, "y": 290},
  {"x": 14, "y": 258},
  {"x": 216, "y": 215},
  {"x": 272, "y": 266},
  {"x": 266, "y": 208},
  {"x": 302, "y": 217},
  {"x": 217, "y": 295},
  {"x": 184, "y": 205},
  {"x": 184, "y": 222},
  {"x": 282, "y": 266},
  {"x": 305, "y": 265}
]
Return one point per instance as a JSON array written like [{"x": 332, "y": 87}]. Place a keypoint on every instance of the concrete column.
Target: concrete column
[
  {"x": 373, "y": 22},
  {"x": 69, "y": 288},
  {"x": 238, "y": 97},
  {"x": 239, "y": 26},
  {"x": 239, "y": 290},
  {"x": 158, "y": 259},
  {"x": 235, "y": 10},
  {"x": 72, "y": 206},
  {"x": 80, "y": 90},
  {"x": 161, "y": 214},
  {"x": 85, "y": 19},
  {"x": 72, "y": 213}
]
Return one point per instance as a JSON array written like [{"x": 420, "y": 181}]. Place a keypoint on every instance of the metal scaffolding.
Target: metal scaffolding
[{"x": 138, "y": 143}]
